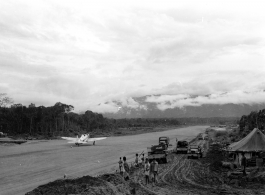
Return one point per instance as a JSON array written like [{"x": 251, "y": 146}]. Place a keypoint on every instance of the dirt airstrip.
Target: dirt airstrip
[{"x": 24, "y": 167}]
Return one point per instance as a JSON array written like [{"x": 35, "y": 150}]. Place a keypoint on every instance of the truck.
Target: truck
[
  {"x": 182, "y": 147},
  {"x": 200, "y": 136},
  {"x": 160, "y": 152},
  {"x": 196, "y": 149}
]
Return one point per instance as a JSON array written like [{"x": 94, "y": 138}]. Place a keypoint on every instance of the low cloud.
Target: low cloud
[
  {"x": 114, "y": 106},
  {"x": 236, "y": 97}
]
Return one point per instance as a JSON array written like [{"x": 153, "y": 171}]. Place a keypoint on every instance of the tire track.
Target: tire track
[
  {"x": 180, "y": 175},
  {"x": 164, "y": 171},
  {"x": 175, "y": 162}
]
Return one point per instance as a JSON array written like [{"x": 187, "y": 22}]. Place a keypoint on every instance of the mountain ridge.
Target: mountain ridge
[{"x": 144, "y": 109}]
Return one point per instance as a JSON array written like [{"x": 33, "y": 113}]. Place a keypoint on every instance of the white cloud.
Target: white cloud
[
  {"x": 89, "y": 52},
  {"x": 236, "y": 97}
]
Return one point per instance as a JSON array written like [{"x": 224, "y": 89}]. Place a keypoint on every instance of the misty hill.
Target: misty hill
[{"x": 143, "y": 109}]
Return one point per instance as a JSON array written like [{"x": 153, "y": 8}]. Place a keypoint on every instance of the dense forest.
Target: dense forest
[
  {"x": 60, "y": 119},
  {"x": 253, "y": 120}
]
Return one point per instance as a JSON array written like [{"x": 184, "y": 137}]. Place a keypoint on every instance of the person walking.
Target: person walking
[
  {"x": 146, "y": 171},
  {"x": 155, "y": 171}
]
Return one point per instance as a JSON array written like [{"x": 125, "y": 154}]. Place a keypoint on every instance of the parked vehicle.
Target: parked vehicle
[
  {"x": 182, "y": 147},
  {"x": 195, "y": 151},
  {"x": 160, "y": 151}
]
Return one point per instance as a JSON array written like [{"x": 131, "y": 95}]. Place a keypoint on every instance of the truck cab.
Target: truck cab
[
  {"x": 164, "y": 140},
  {"x": 182, "y": 147},
  {"x": 160, "y": 151},
  {"x": 195, "y": 151}
]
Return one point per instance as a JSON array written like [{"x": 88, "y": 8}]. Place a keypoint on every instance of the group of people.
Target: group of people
[
  {"x": 137, "y": 162},
  {"x": 124, "y": 168},
  {"x": 150, "y": 170}
]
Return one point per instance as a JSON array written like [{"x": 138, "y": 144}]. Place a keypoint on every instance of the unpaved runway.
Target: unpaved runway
[{"x": 24, "y": 167}]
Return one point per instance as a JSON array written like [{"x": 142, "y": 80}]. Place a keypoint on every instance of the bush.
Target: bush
[
  {"x": 220, "y": 133},
  {"x": 215, "y": 156}
]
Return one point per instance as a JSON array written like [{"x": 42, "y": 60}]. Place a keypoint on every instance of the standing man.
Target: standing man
[
  {"x": 146, "y": 171},
  {"x": 244, "y": 163},
  {"x": 120, "y": 165},
  {"x": 126, "y": 165},
  {"x": 152, "y": 166},
  {"x": 143, "y": 160},
  {"x": 155, "y": 171},
  {"x": 126, "y": 168},
  {"x": 137, "y": 160}
]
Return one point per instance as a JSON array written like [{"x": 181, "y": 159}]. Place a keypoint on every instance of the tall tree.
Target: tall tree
[{"x": 4, "y": 100}]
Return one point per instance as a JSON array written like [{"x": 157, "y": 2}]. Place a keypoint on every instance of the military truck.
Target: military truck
[
  {"x": 196, "y": 148},
  {"x": 195, "y": 151},
  {"x": 160, "y": 151},
  {"x": 182, "y": 147}
]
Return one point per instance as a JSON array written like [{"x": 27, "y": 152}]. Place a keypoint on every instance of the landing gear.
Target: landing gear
[{"x": 94, "y": 143}]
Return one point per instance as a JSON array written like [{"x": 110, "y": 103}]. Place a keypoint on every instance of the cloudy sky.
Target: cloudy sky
[{"x": 85, "y": 53}]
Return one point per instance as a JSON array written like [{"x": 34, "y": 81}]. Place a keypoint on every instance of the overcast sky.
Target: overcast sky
[{"x": 84, "y": 53}]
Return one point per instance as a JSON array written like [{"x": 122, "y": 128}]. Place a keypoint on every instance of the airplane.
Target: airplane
[{"x": 83, "y": 140}]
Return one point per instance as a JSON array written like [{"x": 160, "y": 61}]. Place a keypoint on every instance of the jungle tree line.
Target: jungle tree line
[
  {"x": 54, "y": 120},
  {"x": 19, "y": 119},
  {"x": 60, "y": 119},
  {"x": 255, "y": 119}
]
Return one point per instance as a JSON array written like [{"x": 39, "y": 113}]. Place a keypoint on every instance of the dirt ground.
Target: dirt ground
[
  {"x": 24, "y": 167},
  {"x": 179, "y": 176},
  {"x": 191, "y": 177}
]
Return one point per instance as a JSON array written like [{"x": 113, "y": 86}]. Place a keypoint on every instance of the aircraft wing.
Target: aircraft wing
[
  {"x": 72, "y": 142},
  {"x": 72, "y": 139},
  {"x": 80, "y": 142},
  {"x": 96, "y": 139}
]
